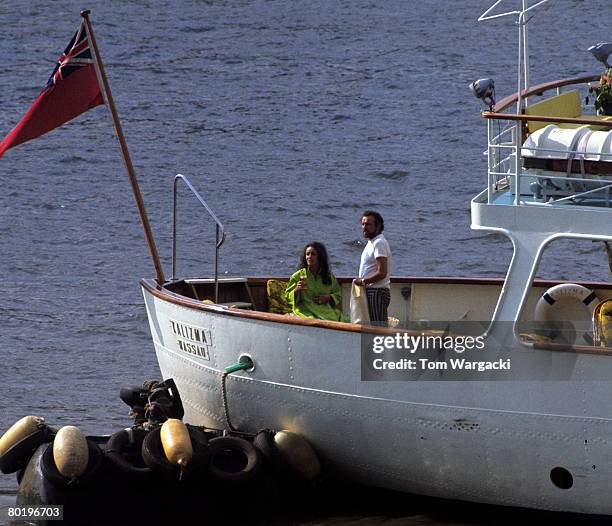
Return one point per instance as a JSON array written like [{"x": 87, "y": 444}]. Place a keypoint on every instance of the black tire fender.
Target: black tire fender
[
  {"x": 264, "y": 442},
  {"x": 125, "y": 444},
  {"x": 233, "y": 459}
]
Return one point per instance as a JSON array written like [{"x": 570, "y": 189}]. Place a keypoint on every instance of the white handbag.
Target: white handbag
[{"x": 359, "y": 304}]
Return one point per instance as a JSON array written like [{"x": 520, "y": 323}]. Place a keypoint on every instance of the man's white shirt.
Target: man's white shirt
[{"x": 377, "y": 247}]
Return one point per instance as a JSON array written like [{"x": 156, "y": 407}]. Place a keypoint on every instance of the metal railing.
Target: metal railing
[
  {"x": 219, "y": 229},
  {"x": 505, "y": 155},
  {"x": 501, "y": 155}
]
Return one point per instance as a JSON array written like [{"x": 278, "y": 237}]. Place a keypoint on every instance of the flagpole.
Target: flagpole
[{"x": 124, "y": 151}]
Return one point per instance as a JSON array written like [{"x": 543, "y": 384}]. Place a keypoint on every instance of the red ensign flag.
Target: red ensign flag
[{"x": 71, "y": 90}]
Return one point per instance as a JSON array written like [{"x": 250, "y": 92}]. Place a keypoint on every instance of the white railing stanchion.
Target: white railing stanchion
[
  {"x": 490, "y": 161},
  {"x": 517, "y": 164}
]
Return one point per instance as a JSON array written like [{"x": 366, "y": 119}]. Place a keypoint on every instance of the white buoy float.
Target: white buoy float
[{"x": 70, "y": 452}]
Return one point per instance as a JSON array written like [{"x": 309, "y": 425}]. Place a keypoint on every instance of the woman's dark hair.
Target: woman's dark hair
[
  {"x": 324, "y": 268},
  {"x": 378, "y": 219}
]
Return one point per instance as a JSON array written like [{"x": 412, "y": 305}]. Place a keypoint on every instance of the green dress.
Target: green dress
[{"x": 303, "y": 303}]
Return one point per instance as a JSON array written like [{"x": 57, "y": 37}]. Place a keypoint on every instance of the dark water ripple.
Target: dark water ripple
[{"x": 290, "y": 118}]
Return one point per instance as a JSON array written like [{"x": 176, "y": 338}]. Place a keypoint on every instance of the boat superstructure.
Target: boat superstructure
[{"x": 537, "y": 434}]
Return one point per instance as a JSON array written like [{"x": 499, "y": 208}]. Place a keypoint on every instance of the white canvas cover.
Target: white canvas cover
[{"x": 553, "y": 142}]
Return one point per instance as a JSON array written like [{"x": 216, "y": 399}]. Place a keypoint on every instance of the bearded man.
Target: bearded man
[{"x": 375, "y": 267}]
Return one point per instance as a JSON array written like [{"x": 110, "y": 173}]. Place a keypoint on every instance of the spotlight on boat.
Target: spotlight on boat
[
  {"x": 484, "y": 89},
  {"x": 601, "y": 52}
]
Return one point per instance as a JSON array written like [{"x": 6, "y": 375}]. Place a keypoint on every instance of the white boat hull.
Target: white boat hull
[{"x": 493, "y": 442}]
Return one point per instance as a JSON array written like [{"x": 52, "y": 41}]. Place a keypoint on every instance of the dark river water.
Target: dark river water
[{"x": 290, "y": 118}]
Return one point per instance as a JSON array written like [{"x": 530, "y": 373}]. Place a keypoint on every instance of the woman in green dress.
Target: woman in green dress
[{"x": 313, "y": 291}]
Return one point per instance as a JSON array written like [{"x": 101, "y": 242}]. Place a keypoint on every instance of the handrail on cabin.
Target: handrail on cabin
[
  {"x": 219, "y": 230},
  {"x": 538, "y": 89}
]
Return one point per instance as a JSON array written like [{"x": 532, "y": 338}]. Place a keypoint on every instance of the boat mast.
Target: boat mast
[
  {"x": 526, "y": 48},
  {"x": 524, "y": 80},
  {"x": 523, "y": 43}
]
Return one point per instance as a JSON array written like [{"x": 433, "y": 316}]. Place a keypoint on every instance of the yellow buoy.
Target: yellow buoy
[
  {"x": 21, "y": 429},
  {"x": 176, "y": 442},
  {"x": 70, "y": 452},
  {"x": 604, "y": 324},
  {"x": 298, "y": 453}
]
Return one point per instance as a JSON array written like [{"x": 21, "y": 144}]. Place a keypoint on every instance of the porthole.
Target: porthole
[{"x": 561, "y": 478}]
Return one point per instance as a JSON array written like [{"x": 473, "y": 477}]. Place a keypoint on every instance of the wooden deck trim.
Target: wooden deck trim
[
  {"x": 541, "y": 118},
  {"x": 578, "y": 349},
  {"x": 538, "y": 89}
]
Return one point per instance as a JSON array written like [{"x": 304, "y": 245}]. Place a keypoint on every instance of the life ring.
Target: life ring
[
  {"x": 124, "y": 450},
  {"x": 233, "y": 459},
  {"x": 561, "y": 292},
  {"x": 154, "y": 456}
]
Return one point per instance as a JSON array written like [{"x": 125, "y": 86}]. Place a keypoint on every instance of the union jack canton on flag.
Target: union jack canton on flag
[{"x": 76, "y": 55}]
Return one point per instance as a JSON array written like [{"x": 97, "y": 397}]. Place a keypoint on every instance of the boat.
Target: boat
[{"x": 528, "y": 424}]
